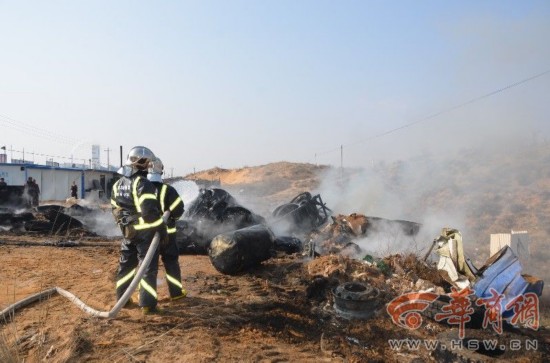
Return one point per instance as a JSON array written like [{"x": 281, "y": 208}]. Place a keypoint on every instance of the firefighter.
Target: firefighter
[
  {"x": 169, "y": 200},
  {"x": 137, "y": 212}
]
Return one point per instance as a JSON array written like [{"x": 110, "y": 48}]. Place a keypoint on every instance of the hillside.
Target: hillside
[{"x": 265, "y": 186}]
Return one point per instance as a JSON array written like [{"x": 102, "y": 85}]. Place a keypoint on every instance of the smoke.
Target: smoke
[
  {"x": 188, "y": 190},
  {"x": 94, "y": 218},
  {"x": 422, "y": 190},
  {"x": 359, "y": 191},
  {"x": 281, "y": 226},
  {"x": 102, "y": 223}
]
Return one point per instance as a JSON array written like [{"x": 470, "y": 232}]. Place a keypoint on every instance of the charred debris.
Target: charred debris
[
  {"x": 357, "y": 286},
  {"x": 71, "y": 222},
  {"x": 237, "y": 239}
]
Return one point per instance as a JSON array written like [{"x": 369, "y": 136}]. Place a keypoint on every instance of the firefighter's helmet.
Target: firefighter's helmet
[
  {"x": 139, "y": 158},
  {"x": 155, "y": 171}
]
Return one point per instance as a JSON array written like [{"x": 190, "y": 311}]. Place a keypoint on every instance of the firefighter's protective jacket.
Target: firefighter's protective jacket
[
  {"x": 134, "y": 202},
  {"x": 169, "y": 199}
]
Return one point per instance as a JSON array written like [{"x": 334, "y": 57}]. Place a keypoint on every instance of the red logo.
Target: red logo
[
  {"x": 493, "y": 310},
  {"x": 526, "y": 310},
  {"x": 404, "y": 310},
  {"x": 458, "y": 311}
]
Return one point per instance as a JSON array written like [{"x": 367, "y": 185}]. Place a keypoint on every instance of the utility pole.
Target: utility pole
[
  {"x": 171, "y": 172},
  {"x": 108, "y": 153},
  {"x": 11, "y": 153}
]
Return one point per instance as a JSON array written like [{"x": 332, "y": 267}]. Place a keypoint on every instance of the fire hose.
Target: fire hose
[{"x": 46, "y": 294}]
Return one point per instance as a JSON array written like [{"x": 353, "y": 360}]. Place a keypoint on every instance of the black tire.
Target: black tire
[
  {"x": 39, "y": 226},
  {"x": 238, "y": 216},
  {"x": 285, "y": 209},
  {"x": 301, "y": 198}
]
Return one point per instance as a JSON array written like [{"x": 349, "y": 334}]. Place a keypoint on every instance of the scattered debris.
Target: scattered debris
[
  {"x": 452, "y": 262},
  {"x": 500, "y": 278},
  {"x": 338, "y": 236},
  {"x": 502, "y": 275},
  {"x": 50, "y": 219}
]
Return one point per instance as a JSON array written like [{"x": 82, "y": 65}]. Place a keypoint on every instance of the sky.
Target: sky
[{"x": 244, "y": 83}]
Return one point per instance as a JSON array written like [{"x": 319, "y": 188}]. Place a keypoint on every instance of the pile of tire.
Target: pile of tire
[
  {"x": 302, "y": 213},
  {"x": 213, "y": 212}
]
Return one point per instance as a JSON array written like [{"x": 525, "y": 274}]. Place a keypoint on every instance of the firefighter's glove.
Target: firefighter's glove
[{"x": 163, "y": 235}]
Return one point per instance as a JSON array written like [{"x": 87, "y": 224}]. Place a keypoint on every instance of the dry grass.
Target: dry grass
[{"x": 8, "y": 353}]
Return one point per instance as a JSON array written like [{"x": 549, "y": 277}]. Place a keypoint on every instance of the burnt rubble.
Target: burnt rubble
[
  {"x": 217, "y": 225},
  {"x": 302, "y": 225},
  {"x": 356, "y": 284},
  {"x": 213, "y": 212},
  {"x": 340, "y": 236},
  {"x": 48, "y": 219}
]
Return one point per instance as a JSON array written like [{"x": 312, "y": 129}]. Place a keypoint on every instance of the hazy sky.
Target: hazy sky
[{"x": 243, "y": 83}]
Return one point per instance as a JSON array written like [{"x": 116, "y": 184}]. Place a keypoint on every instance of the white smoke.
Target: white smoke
[
  {"x": 102, "y": 223},
  {"x": 187, "y": 189},
  {"x": 396, "y": 191}
]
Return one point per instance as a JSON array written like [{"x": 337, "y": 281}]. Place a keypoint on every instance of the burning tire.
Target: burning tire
[{"x": 236, "y": 251}]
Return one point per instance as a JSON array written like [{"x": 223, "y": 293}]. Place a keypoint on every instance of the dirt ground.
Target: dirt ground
[{"x": 280, "y": 311}]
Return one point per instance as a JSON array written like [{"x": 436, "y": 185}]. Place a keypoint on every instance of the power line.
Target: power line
[
  {"x": 434, "y": 115},
  {"x": 36, "y": 131},
  {"x": 46, "y": 155}
]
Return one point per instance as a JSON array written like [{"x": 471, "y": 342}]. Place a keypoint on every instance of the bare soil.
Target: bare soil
[{"x": 280, "y": 311}]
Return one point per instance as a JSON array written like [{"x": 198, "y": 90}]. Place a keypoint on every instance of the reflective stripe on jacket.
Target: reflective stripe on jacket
[
  {"x": 169, "y": 199},
  {"x": 136, "y": 196}
]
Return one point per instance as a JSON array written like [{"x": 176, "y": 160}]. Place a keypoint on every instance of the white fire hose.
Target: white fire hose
[{"x": 46, "y": 294}]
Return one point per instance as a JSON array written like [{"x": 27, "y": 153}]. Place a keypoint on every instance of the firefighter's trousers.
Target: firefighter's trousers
[
  {"x": 134, "y": 251},
  {"x": 170, "y": 255}
]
